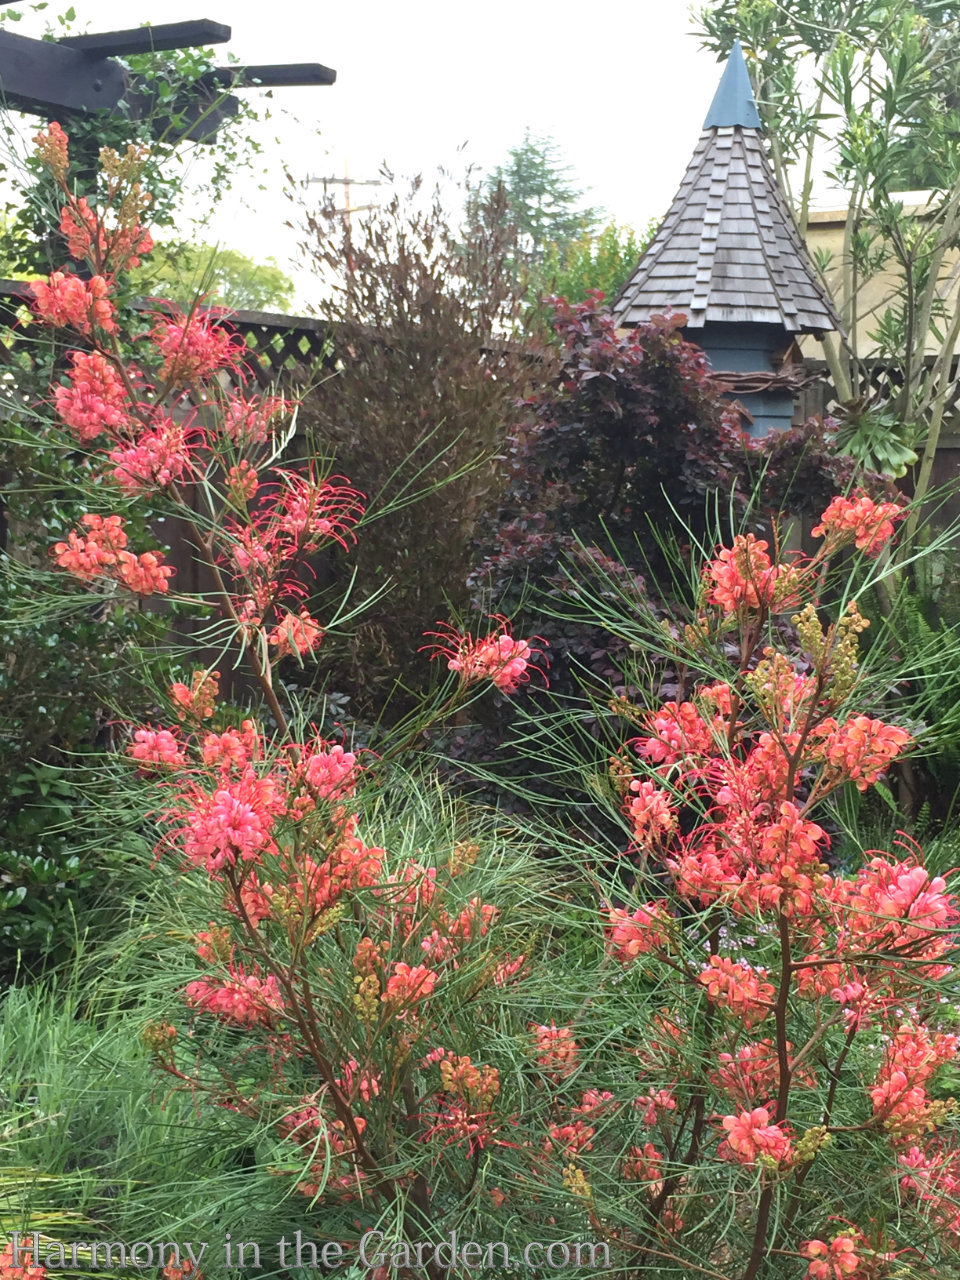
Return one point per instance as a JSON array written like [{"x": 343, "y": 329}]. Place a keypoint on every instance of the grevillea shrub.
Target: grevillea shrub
[
  {"x": 708, "y": 1051},
  {"x": 728, "y": 1061}
]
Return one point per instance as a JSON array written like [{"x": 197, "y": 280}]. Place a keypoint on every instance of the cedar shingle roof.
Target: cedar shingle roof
[{"x": 729, "y": 249}]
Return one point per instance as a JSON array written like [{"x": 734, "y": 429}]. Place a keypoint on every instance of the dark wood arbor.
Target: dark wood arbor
[{"x": 76, "y": 75}]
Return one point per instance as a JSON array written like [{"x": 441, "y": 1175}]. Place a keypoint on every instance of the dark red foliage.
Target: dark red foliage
[
  {"x": 635, "y": 429},
  {"x": 628, "y": 445}
]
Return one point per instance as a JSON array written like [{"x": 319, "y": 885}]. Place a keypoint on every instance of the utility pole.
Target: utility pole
[
  {"x": 348, "y": 209},
  {"x": 347, "y": 182}
]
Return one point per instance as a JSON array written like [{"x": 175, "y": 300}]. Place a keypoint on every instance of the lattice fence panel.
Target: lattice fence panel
[{"x": 280, "y": 349}]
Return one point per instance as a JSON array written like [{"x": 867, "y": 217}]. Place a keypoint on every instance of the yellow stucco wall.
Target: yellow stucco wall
[{"x": 825, "y": 233}]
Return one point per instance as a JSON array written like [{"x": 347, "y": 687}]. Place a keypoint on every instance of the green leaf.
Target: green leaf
[{"x": 886, "y": 795}]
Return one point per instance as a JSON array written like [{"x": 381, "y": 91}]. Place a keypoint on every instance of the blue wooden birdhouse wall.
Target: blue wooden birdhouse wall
[{"x": 729, "y": 256}]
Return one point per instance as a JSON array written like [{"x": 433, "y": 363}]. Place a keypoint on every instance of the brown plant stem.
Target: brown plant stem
[
  {"x": 765, "y": 1204},
  {"x": 793, "y": 1203},
  {"x": 298, "y": 998}
]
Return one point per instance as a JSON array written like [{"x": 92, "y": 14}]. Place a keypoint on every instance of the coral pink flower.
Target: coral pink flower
[
  {"x": 737, "y": 987},
  {"x": 831, "y": 1261},
  {"x": 365, "y": 1083},
  {"x": 67, "y": 302},
  {"x": 184, "y": 1270},
  {"x": 895, "y": 903},
  {"x": 232, "y": 749},
  {"x": 88, "y": 557},
  {"x": 474, "y": 920},
  {"x": 556, "y": 1049},
  {"x": 706, "y": 873},
  {"x": 329, "y": 771},
  {"x": 921, "y": 1052},
  {"x": 905, "y": 1109},
  {"x": 654, "y": 1103},
  {"x": 214, "y": 944},
  {"x": 678, "y": 731},
  {"x": 249, "y": 422},
  {"x": 243, "y": 998},
  {"x": 753, "y": 1075},
  {"x": 242, "y": 482},
  {"x": 156, "y": 747},
  {"x": 350, "y": 866},
  {"x": 645, "y": 930},
  {"x": 508, "y": 970},
  {"x": 233, "y": 824},
  {"x": 933, "y": 1176},
  {"x": 790, "y": 839},
  {"x": 407, "y": 986},
  {"x": 296, "y": 633},
  {"x": 194, "y": 347},
  {"x": 102, "y": 552},
  {"x": 742, "y": 577},
  {"x": 458, "y": 1122},
  {"x": 497, "y": 657},
  {"x": 256, "y": 900},
  {"x": 144, "y": 574},
  {"x": 595, "y": 1103},
  {"x": 570, "y": 1139},
  {"x": 26, "y": 1270},
  {"x": 757, "y": 780},
  {"x": 861, "y": 749},
  {"x": 96, "y": 399},
  {"x": 644, "y": 1164},
  {"x": 309, "y": 512},
  {"x": 750, "y": 1134},
  {"x": 650, "y": 811},
  {"x": 198, "y": 700},
  {"x": 87, "y": 238},
  {"x": 81, "y": 227},
  {"x": 868, "y": 524},
  {"x": 252, "y": 552},
  {"x": 785, "y": 871},
  {"x": 899, "y": 1097},
  {"x": 155, "y": 460}
]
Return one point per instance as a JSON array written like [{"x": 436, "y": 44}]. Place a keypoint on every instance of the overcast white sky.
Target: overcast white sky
[{"x": 623, "y": 91}]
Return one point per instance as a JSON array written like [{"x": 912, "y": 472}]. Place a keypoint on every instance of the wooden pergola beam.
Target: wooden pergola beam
[
  {"x": 286, "y": 75},
  {"x": 152, "y": 39},
  {"x": 42, "y": 76},
  {"x": 77, "y": 75}
]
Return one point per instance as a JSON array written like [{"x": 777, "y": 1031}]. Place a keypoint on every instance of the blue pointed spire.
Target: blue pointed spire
[{"x": 734, "y": 103}]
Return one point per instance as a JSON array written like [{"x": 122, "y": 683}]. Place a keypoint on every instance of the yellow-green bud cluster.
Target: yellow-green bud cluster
[
  {"x": 575, "y": 1180},
  {"x": 366, "y": 998},
  {"x": 846, "y": 651},
  {"x": 811, "y": 1142}
]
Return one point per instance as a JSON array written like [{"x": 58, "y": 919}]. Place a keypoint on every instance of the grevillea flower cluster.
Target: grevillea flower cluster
[
  {"x": 867, "y": 524},
  {"x": 99, "y": 552},
  {"x": 159, "y": 424},
  {"x": 66, "y": 301},
  {"x": 497, "y": 657}
]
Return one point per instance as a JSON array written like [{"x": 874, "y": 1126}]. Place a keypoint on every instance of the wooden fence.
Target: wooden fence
[
  {"x": 285, "y": 351},
  {"x": 280, "y": 349}
]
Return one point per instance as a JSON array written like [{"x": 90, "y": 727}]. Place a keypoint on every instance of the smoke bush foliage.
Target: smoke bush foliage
[
  {"x": 698, "y": 1045},
  {"x": 630, "y": 447}
]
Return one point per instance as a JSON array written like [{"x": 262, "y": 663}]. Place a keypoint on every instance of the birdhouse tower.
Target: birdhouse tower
[{"x": 729, "y": 256}]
